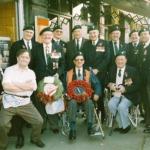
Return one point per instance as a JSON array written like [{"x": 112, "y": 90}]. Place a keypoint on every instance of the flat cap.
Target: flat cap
[{"x": 45, "y": 29}]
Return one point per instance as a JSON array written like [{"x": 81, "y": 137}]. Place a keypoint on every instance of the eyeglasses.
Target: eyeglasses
[{"x": 79, "y": 59}]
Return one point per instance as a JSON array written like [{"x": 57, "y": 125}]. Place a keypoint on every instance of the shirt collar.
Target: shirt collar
[{"x": 147, "y": 43}]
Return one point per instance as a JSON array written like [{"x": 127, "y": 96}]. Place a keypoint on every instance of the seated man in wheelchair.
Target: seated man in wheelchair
[
  {"x": 123, "y": 82},
  {"x": 79, "y": 92}
]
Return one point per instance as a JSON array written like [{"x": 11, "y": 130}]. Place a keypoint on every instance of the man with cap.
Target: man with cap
[
  {"x": 78, "y": 72},
  {"x": 133, "y": 49},
  {"x": 59, "y": 45},
  {"x": 115, "y": 45},
  {"x": 26, "y": 42},
  {"x": 47, "y": 60},
  {"x": 74, "y": 45},
  {"x": 97, "y": 56},
  {"x": 123, "y": 82},
  {"x": 144, "y": 64}
]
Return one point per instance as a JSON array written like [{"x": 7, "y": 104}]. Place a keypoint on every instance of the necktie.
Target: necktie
[
  {"x": 79, "y": 73},
  {"x": 119, "y": 73},
  {"x": 28, "y": 45},
  {"x": 93, "y": 43},
  {"x": 47, "y": 54},
  {"x": 116, "y": 47},
  {"x": 77, "y": 45}
]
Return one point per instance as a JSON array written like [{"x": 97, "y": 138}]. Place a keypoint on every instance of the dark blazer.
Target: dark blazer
[
  {"x": 122, "y": 47},
  {"x": 131, "y": 91},
  {"x": 133, "y": 55},
  {"x": 16, "y": 46},
  {"x": 144, "y": 64},
  {"x": 38, "y": 63},
  {"x": 71, "y": 51},
  {"x": 97, "y": 56}
]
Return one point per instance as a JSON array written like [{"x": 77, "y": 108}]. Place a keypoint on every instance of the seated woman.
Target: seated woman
[
  {"x": 123, "y": 82},
  {"x": 80, "y": 73}
]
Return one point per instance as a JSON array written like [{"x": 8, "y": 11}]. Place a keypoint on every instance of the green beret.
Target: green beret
[
  {"x": 45, "y": 30},
  {"x": 114, "y": 28},
  {"x": 57, "y": 27},
  {"x": 28, "y": 28},
  {"x": 91, "y": 28},
  {"x": 76, "y": 27},
  {"x": 133, "y": 31},
  {"x": 143, "y": 30}
]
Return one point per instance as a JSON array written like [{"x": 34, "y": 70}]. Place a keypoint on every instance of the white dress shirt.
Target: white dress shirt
[
  {"x": 119, "y": 80},
  {"x": 47, "y": 50},
  {"x": 81, "y": 72},
  {"x": 26, "y": 43}
]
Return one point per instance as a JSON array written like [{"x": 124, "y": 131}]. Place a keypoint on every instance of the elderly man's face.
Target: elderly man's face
[
  {"x": 121, "y": 61},
  {"x": 94, "y": 35},
  {"x": 144, "y": 37},
  {"x": 28, "y": 34},
  {"x": 79, "y": 61},
  {"x": 77, "y": 34},
  {"x": 115, "y": 36},
  {"x": 134, "y": 37},
  {"x": 47, "y": 37},
  {"x": 23, "y": 59},
  {"x": 58, "y": 34}
]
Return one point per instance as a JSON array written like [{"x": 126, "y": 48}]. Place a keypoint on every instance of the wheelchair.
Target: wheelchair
[
  {"x": 133, "y": 115},
  {"x": 97, "y": 125}
]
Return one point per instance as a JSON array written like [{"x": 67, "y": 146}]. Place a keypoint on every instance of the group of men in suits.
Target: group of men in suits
[{"x": 55, "y": 57}]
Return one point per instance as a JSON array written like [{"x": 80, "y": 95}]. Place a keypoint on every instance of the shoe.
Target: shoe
[
  {"x": 90, "y": 131},
  {"x": 55, "y": 131},
  {"x": 146, "y": 130},
  {"x": 20, "y": 141},
  {"x": 118, "y": 129},
  {"x": 72, "y": 135},
  {"x": 38, "y": 143},
  {"x": 126, "y": 130}
]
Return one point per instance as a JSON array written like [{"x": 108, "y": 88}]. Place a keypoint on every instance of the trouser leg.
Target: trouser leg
[
  {"x": 30, "y": 114},
  {"x": 72, "y": 111},
  {"x": 5, "y": 125}
]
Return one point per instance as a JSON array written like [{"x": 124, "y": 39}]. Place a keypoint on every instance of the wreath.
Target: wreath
[
  {"x": 49, "y": 92},
  {"x": 79, "y": 90}
]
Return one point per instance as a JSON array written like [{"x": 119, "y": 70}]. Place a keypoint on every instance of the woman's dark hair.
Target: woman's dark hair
[{"x": 21, "y": 51}]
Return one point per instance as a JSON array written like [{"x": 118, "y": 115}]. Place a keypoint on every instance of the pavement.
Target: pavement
[{"x": 134, "y": 140}]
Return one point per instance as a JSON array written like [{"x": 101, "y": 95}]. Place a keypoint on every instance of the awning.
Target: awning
[{"x": 140, "y": 7}]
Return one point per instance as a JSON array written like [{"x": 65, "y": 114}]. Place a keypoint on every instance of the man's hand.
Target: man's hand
[
  {"x": 96, "y": 97},
  {"x": 112, "y": 86},
  {"x": 95, "y": 71},
  {"x": 121, "y": 88}
]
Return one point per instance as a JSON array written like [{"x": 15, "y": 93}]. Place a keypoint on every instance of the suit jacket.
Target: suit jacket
[
  {"x": 144, "y": 64},
  {"x": 71, "y": 51},
  {"x": 16, "y": 46},
  {"x": 133, "y": 55},
  {"x": 131, "y": 91},
  {"x": 122, "y": 47},
  {"x": 38, "y": 63},
  {"x": 97, "y": 56}
]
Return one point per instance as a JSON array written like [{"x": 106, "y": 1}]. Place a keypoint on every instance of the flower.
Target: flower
[{"x": 79, "y": 90}]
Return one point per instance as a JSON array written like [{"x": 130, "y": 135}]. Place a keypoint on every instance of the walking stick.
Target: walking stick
[
  {"x": 114, "y": 117},
  {"x": 98, "y": 121}
]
